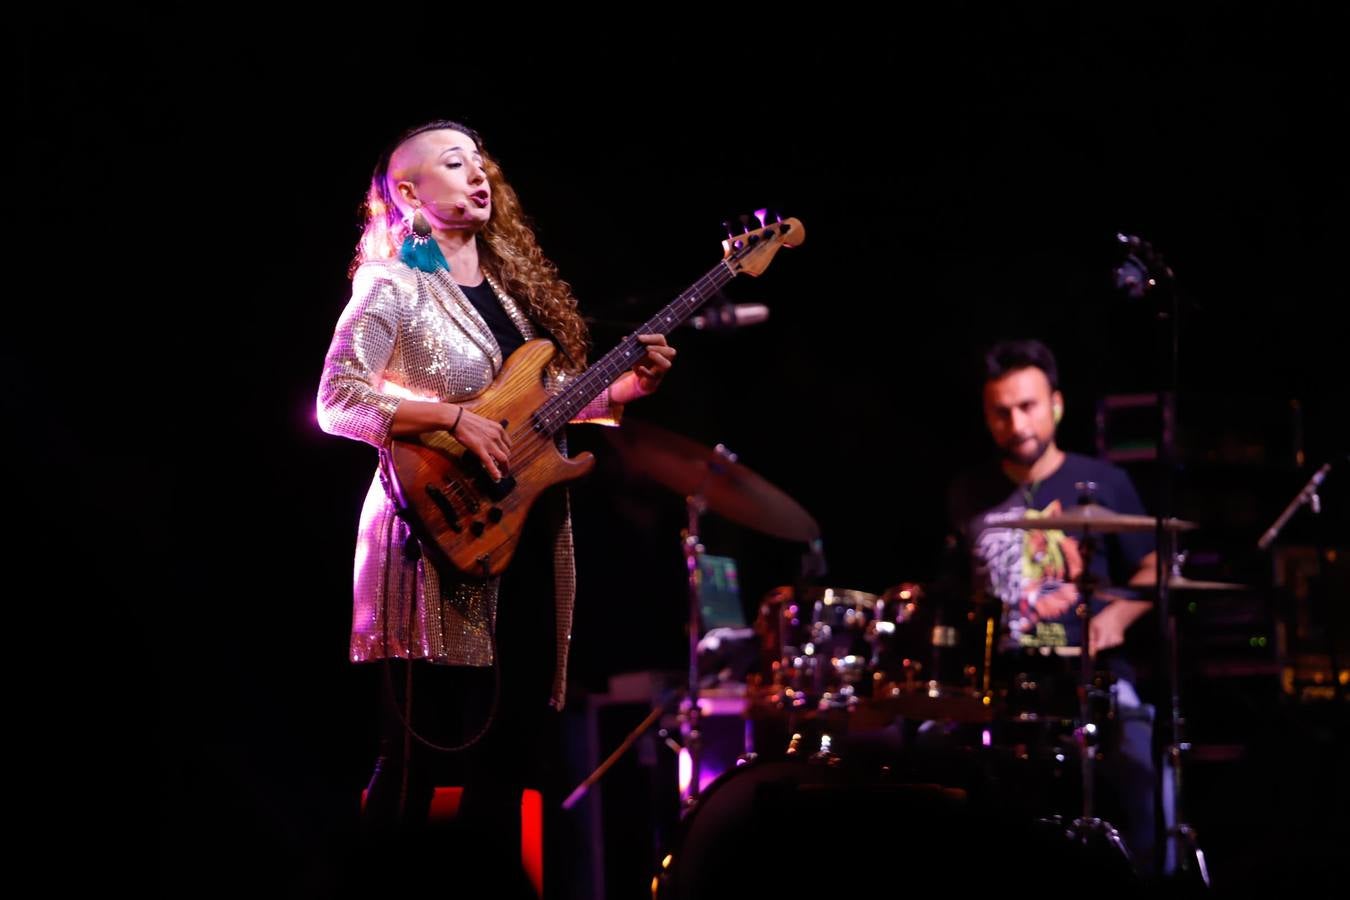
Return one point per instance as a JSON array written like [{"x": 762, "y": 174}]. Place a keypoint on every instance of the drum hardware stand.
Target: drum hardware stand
[
  {"x": 986, "y": 679},
  {"x": 690, "y": 712},
  {"x": 1087, "y": 732},
  {"x": 1178, "y": 848},
  {"x": 722, "y": 485},
  {"x": 658, "y": 710},
  {"x": 1087, "y": 827}
]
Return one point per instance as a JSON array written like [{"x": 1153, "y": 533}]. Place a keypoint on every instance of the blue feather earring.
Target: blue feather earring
[{"x": 420, "y": 250}]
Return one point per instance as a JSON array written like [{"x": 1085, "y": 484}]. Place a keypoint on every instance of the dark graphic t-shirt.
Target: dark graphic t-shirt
[{"x": 1032, "y": 572}]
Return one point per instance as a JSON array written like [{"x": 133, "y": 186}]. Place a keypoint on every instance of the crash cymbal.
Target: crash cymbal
[
  {"x": 729, "y": 488},
  {"x": 1098, "y": 518}
]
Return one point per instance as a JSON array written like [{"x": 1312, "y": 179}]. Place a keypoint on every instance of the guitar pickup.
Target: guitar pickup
[
  {"x": 495, "y": 491},
  {"x": 444, "y": 505}
]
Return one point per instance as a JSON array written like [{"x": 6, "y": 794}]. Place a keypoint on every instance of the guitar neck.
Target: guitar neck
[{"x": 562, "y": 408}]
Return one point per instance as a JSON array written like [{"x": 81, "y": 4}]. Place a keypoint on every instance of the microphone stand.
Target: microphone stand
[
  {"x": 1142, "y": 273},
  {"x": 1306, "y": 496},
  {"x": 1310, "y": 498}
]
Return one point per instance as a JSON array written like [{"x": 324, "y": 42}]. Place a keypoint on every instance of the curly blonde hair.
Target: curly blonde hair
[{"x": 507, "y": 249}]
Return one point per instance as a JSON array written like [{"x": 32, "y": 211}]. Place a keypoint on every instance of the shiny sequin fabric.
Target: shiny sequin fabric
[{"x": 412, "y": 334}]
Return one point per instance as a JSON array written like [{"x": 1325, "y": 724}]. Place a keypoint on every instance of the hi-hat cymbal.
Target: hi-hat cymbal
[
  {"x": 1095, "y": 517},
  {"x": 1178, "y": 582},
  {"x": 729, "y": 489},
  {"x": 1182, "y": 583}
]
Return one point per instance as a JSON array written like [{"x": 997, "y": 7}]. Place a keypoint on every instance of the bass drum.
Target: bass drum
[{"x": 793, "y": 827}]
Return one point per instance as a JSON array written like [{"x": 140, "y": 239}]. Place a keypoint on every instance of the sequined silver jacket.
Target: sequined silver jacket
[{"x": 412, "y": 334}]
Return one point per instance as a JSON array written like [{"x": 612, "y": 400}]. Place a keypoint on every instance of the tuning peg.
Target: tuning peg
[
  {"x": 748, "y": 223},
  {"x": 763, "y": 216},
  {"x": 731, "y": 228}
]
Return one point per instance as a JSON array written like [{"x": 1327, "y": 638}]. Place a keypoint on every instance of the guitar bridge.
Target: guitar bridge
[{"x": 464, "y": 496}]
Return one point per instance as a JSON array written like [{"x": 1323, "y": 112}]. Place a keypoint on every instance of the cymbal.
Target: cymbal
[
  {"x": 1182, "y": 583},
  {"x": 1098, "y": 518},
  {"x": 730, "y": 489},
  {"x": 1178, "y": 582}
]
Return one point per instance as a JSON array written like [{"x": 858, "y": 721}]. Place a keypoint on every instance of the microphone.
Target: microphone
[
  {"x": 1309, "y": 493},
  {"x": 1141, "y": 267},
  {"x": 1132, "y": 277},
  {"x": 727, "y": 316}
]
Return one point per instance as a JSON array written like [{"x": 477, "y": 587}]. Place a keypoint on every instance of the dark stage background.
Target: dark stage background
[{"x": 961, "y": 177}]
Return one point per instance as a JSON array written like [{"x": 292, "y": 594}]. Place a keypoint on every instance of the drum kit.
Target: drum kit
[{"x": 863, "y": 698}]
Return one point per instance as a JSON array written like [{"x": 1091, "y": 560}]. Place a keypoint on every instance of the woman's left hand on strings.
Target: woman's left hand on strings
[{"x": 653, "y": 366}]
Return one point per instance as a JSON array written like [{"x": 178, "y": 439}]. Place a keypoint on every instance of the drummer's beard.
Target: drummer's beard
[{"x": 1024, "y": 451}]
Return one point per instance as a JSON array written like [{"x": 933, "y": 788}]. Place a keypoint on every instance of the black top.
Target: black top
[
  {"x": 526, "y": 638},
  {"x": 498, "y": 322}
]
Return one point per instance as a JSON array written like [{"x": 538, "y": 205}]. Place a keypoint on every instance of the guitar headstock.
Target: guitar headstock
[{"x": 761, "y": 236}]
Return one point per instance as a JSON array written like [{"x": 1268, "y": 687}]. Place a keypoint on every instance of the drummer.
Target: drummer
[{"x": 1032, "y": 572}]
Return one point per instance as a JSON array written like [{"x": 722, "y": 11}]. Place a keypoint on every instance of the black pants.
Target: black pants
[{"x": 447, "y": 705}]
